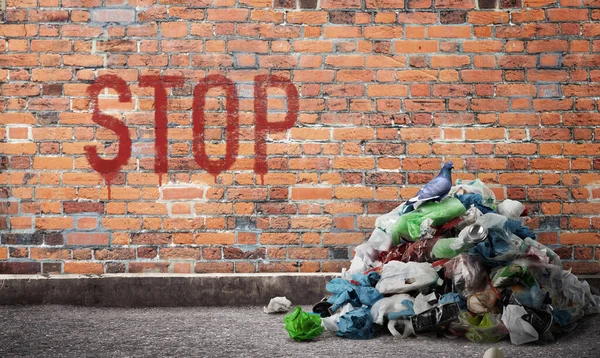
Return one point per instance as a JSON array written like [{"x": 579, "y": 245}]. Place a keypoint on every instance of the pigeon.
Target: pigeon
[{"x": 436, "y": 189}]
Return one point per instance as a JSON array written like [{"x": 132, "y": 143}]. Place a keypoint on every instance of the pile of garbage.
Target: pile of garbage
[{"x": 453, "y": 262}]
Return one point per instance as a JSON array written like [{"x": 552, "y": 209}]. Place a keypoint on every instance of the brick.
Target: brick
[
  {"x": 410, "y": 46},
  {"x": 581, "y": 238},
  {"x": 214, "y": 238},
  {"x": 113, "y": 15},
  {"x": 27, "y": 268},
  {"x": 537, "y": 46},
  {"x": 213, "y": 267},
  {"x": 227, "y": 14},
  {"x": 148, "y": 267},
  {"x": 384, "y": 4},
  {"x": 87, "y": 239},
  {"x": 73, "y": 267},
  {"x": 311, "y": 193},
  {"x": 383, "y": 32}
]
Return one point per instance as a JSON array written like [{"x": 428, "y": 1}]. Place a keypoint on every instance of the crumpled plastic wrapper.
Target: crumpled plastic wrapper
[
  {"x": 520, "y": 331},
  {"x": 302, "y": 326},
  {"x": 278, "y": 305}
]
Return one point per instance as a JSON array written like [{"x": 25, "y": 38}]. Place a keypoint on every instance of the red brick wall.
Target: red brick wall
[{"x": 387, "y": 90}]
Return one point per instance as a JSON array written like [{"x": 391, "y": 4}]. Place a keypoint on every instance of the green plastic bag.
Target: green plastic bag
[
  {"x": 486, "y": 328},
  {"x": 408, "y": 225},
  {"x": 512, "y": 275},
  {"x": 302, "y": 326},
  {"x": 442, "y": 249}
]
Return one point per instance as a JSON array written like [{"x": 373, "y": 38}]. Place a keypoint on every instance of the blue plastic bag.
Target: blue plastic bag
[
  {"x": 356, "y": 324},
  {"x": 343, "y": 291}
]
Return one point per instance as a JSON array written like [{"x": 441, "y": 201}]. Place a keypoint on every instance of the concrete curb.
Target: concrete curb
[
  {"x": 166, "y": 290},
  {"x": 162, "y": 290}
]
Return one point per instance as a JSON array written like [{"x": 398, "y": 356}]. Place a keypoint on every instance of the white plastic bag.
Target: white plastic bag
[
  {"x": 578, "y": 294},
  {"x": 401, "y": 277},
  {"x": 475, "y": 187},
  {"x": 520, "y": 331},
  {"x": 384, "y": 306},
  {"x": 357, "y": 265},
  {"x": 278, "y": 305},
  {"x": 422, "y": 302},
  {"x": 405, "y": 326},
  {"x": 512, "y": 209},
  {"x": 331, "y": 323}
]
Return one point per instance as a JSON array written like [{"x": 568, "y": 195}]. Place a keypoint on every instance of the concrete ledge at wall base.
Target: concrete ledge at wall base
[{"x": 162, "y": 290}]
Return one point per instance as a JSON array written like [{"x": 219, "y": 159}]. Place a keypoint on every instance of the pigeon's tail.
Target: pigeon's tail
[{"x": 408, "y": 207}]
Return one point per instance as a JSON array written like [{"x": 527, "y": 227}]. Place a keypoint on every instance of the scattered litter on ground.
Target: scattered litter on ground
[
  {"x": 278, "y": 305},
  {"x": 451, "y": 262}
]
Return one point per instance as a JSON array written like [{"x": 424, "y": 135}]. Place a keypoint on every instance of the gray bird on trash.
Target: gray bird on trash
[{"x": 436, "y": 189}]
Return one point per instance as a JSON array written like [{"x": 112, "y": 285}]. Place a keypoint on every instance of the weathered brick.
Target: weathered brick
[{"x": 113, "y": 15}]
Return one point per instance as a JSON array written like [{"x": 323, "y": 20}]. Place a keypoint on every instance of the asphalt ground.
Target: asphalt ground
[{"x": 76, "y": 331}]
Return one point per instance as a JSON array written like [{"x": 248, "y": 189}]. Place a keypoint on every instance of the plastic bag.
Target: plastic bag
[
  {"x": 356, "y": 324},
  {"x": 475, "y": 187},
  {"x": 420, "y": 251},
  {"x": 384, "y": 226},
  {"x": 520, "y": 330},
  {"x": 443, "y": 249},
  {"x": 401, "y": 277},
  {"x": 368, "y": 279},
  {"x": 395, "y": 303},
  {"x": 577, "y": 293},
  {"x": 474, "y": 200},
  {"x": 345, "y": 292},
  {"x": 407, "y": 312},
  {"x": 512, "y": 275},
  {"x": 401, "y": 328},
  {"x": 331, "y": 323},
  {"x": 302, "y": 326},
  {"x": 544, "y": 254},
  {"x": 394, "y": 254},
  {"x": 517, "y": 228},
  {"x": 427, "y": 231},
  {"x": 453, "y": 297},
  {"x": 469, "y": 218},
  {"x": 366, "y": 254},
  {"x": 424, "y": 302},
  {"x": 467, "y": 273},
  {"x": 277, "y": 305},
  {"x": 531, "y": 297},
  {"x": 512, "y": 209},
  {"x": 484, "y": 301},
  {"x": 501, "y": 246},
  {"x": 409, "y": 225},
  {"x": 357, "y": 265},
  {"x": 482, "y": 328}
]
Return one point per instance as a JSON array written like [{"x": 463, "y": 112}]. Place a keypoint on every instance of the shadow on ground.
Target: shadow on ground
[{"x": 68, "y": 331}]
